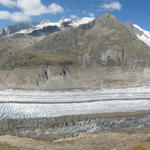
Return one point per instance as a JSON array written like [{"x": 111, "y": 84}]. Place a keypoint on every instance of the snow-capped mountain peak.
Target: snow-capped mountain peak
[
  {"x": 144, "y": 36},
  {"x": 63, "y": 22},
  {"x": 45, "y": 21},
  {"x": 84, "y": 20},
  {"x": 139, "y": 32}
]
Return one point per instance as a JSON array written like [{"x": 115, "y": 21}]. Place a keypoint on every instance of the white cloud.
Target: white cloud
[
  {"x": 28, "y": 8},
  {"x": 8, "y": 3},
  {"x": 16, "y": 16},
  {"x": 4, "y": 15},
  {"x": 114, "y": 5},
  {"x": 19, "y": 17},
  {"x": 32, "y": 7},
  {"x": 55, "y": 8},
  {"x": 91, "y": 14},
  {"x": 36, "y": 8},
  {"x": 73, "y": 16}
]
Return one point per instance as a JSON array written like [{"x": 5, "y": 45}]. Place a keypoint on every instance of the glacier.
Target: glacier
[{"x": 19, "y": 104}]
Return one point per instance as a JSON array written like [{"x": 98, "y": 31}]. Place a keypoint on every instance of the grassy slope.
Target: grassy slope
[
  {"x": 140, "y": 147},
  {"x": 8, "y": 147},
  {"x": 29, "y": 58}
]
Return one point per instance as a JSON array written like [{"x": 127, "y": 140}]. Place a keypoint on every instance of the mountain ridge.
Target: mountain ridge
[
  {"x": 31, "y": 26},
  {"x": 46, "y": 27}
]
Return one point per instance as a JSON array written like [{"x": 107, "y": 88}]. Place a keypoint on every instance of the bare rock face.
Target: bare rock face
[
  {"x": 92, "y": 55},
  {"x": 45, "y": 31}
]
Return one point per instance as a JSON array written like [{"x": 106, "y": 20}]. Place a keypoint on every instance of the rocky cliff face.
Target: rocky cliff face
[
  {"x": 97, "y": 54},
  {"x": 17, "y": 27},
  {"x": 2, "y": 32}
]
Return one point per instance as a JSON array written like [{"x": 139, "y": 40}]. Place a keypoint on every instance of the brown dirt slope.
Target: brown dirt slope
[{"x": 103, "y": 141}]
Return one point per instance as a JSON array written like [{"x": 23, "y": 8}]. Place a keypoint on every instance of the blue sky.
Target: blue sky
[{"x": 14, "y": 11}]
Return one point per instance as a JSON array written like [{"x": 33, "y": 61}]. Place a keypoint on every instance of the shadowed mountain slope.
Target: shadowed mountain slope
[{"x": 102, "y": 41}]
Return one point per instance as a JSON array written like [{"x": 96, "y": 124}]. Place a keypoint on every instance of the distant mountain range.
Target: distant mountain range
[
  {"x": 47, "y": 27},
  {"x": 31, "y": 27},
  {"x": 17, "y": 27}
]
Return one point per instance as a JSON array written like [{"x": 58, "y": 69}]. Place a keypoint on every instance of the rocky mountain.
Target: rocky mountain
[
  {"x": 99, "y": 53},
  {"x": 46, "y": 27},
  {"x": 102, "y": 41},
  {"x": 139, "y": 32}
]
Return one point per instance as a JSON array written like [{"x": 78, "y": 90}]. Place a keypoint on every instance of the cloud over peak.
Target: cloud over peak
[
  {"x": 91, "y": 15},
  {"x": 55, "y": 8},
  {"x": 111, "y": 6}
]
